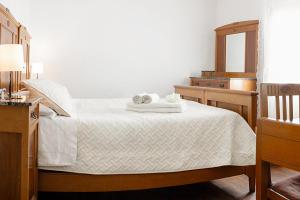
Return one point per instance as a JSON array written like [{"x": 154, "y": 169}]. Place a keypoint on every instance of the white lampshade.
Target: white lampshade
[
  {"x": 37, "y": 68},
  {"x": 11, "y": 57}
]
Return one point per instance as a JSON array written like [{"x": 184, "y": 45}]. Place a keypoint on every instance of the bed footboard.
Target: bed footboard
[{"x": 242, "y": 102}]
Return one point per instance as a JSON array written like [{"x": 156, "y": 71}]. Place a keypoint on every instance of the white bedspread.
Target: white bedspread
[
  {"x": 57, "y": 141},
  {"x": 111, "y": 140}
]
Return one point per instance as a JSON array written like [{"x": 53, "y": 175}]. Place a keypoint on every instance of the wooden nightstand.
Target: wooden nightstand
[{"x": 19, "y": 121}]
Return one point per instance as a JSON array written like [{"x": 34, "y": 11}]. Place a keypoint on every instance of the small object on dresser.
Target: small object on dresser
[
  {"x": 208, "y": 74},
  {"x": 2, "y": 93}
]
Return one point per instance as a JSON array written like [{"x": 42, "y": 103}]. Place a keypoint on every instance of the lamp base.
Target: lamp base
[
  {"x": 10, "y": 85},
  {"x": 9, "y": 95}
]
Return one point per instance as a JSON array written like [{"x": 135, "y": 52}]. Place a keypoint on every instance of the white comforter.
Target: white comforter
[{"x": 104, "y": 138}]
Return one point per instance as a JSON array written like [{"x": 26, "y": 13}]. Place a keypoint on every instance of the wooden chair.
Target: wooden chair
[
  {"x": 277, "y": 91},
  {"x": 278, "y": 142}
]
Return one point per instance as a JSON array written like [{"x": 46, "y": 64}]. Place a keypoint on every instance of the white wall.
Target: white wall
[
  {"x": 229, "y": 11},
  {"x": 19, "y": 8},
  {"x": 116, "y": 48}
]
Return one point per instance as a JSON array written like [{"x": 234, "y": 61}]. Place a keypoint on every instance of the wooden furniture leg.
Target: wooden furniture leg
[
  {"x": 250, "y": 172},
  {"x": 263, "y": 180}
]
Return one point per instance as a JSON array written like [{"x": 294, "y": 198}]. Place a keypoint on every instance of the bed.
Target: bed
[
  {"x": 74, "y": 178},
  {"x": 104, "y": 147}
]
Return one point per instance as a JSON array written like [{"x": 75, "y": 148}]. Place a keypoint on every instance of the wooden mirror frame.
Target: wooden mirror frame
[{"x": 251, "y": 57}]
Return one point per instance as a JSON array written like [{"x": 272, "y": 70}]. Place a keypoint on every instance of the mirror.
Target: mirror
[
  {"x": 237, "y": 49},
  {"x": 235, "y": 52}
]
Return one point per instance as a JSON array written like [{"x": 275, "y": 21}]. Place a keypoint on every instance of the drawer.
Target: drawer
[
  {"x": 211, "y": 83},
  {"x": 220, "y": 84}
]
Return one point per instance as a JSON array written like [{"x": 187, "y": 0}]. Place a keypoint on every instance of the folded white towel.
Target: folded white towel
[
  {"x": 158, "y": 110},
  {"x": 162, "y": 106},
  {"x": 150, "y": 98},
  {"x": 138, "y": 99}
]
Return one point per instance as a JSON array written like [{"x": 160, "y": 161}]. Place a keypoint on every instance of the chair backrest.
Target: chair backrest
[{"x": 283, "y": 91}]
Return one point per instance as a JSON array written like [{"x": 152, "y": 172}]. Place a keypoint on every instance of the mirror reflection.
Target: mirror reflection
[{"x": 235, "y": 52}]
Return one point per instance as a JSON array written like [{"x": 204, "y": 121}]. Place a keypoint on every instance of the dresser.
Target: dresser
[
  {"x": 236, "y": 58},
  {"x": 246, "y": 84},
  {"x": 19, "y": 122}
]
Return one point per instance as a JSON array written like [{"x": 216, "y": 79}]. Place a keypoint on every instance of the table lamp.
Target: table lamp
[
  {"x": 11, "y": 60},
  {"x": 37, "y": 68}
]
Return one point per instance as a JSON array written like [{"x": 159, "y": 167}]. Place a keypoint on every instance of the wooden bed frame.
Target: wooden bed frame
[
  {"x": 51, "y": 181},
  {"x": 240, "y": 101}
]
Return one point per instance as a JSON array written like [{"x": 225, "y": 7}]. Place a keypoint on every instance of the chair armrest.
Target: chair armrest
[
  {"x": 279, "y": 129},
  {"x": 279, "y": 143}
]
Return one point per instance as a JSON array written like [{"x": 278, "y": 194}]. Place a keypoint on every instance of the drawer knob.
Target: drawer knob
[
  {"x": 33, "y": 115},
  {"x": 221, "y": 85}
]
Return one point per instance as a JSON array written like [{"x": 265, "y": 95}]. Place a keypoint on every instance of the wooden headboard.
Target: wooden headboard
[{"x": 12, "y": 32}]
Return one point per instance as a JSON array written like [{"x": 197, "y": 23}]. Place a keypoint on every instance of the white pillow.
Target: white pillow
[
  {"x": 54, "y": 95},
  {"x": 47, "y": 112}
]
